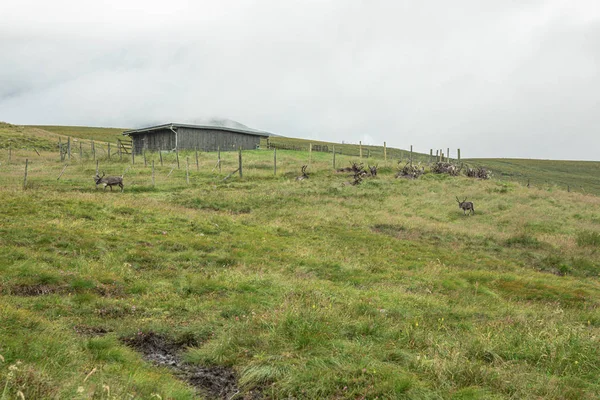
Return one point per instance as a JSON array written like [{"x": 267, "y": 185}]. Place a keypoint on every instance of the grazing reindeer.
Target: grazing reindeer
[
  {"x": 109, "y": 181},
  {"x": 466, "y": 206},
  {"x": 304, "y": 174}
]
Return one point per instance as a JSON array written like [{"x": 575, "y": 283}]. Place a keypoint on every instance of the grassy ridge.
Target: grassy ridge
[
  {"x": 306, "y": 289},
  {"x": 580, "y": 176}
]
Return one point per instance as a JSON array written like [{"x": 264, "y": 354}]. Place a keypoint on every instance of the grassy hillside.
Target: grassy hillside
[
  {"x": 308, "y": 289},
  {"x": 580, "y": 176},
  {"x": 84, "y": 132}
]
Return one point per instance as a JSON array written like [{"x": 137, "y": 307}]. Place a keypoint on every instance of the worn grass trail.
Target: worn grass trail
[{"x": 305, "y": 289}]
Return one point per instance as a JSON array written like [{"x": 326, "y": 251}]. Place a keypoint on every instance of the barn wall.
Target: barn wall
[
  {"x": 212, "y": 139},
  {"x": 154, "y": 141},
  {"x": 190, "y": 139}
]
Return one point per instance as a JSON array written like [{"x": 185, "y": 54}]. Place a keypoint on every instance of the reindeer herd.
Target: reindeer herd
[{"x": 357, "y": 170}]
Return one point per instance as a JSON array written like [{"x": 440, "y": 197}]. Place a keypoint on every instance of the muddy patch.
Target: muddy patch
[
  {"x": 91, "y": 331},
  {"x": 214, "y": 382},
  {"x": 33, "y": 290}
]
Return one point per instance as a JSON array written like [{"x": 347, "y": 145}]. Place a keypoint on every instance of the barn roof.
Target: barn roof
[{"x": 174, "y": 126}]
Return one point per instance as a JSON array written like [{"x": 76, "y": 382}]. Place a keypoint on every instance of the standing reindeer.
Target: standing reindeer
[
  {"x": 373, "y": 170},
  {"x": 109, "y": 181},
  {"x": 466, "y": 206}
]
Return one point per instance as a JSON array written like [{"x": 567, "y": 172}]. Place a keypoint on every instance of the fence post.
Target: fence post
[
  {"x": 309, "y": 153},
  {"x": 60, "y": 152},
  {"x": 96, "y": 167},
  {"x": 458, "y": 155},
  {"x": 197, "y": 164},
  {"x": 25, "y": 178},
  {"x": 80, "y": 151},
  {"x": 219, "y": 157},
  {"x": 360, "y": 149},
  {"x": 240, "y": 162},
  {"x": 160, "y": 155},
  {"x": 274, "y": 161},
  {"x": 69, "y": 147},
  {"x": 108, "y": 143},
  {"x": 93, "y": 150},
  {"x": 430, "y": 155},
  {"x": 145, "y": 162},
  {"x": 187, "y": 169},
  {"x": 132, "y": 153},
  {"x": 385, "y": 152},
  {"x": 448, "y": 154},
  {"x": 177, "y": 155},
  {"x": 153, "y": 173},
  {"x": 411, "y": 160},
  {"x": 334, "y": 156},
  {"x": 119, "y": 145}
]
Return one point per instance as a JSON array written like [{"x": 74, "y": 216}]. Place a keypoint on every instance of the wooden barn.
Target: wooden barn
[{"x": 190, "y": 137}]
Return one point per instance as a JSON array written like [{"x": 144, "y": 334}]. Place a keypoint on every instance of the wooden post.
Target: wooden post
[
  {"x": 334, "y": 156},
  {"x": 360, "y": 148},
  {"x": 309, "y": 153},
  {"x": 197, "y": 164},
  {"x": 177, "y": 155},
  {"x": 132, "y": 154},
  {"x": 60, "y": 152},
  {"x": 448, "y": 154},
  {"x": 65, "y": 167},
  {"x": 458, "y": 154},
  {"x": 219, "y": 157},
  {"x": 119, "y": 145},
  {"x": 240, "y": 162},
  {"x": 80, "y": 151},
  {"x": 153, "y": 173},
  {"x": 93, "y": 150},
  {"x": 145, "y": 162},
  {"x": 96, "y": 167},
  {"x": 430, "y": 155},
  {"x": 160, "y": 155},
  {"x": 274, "y": 161},
  {"x": 187, "y": 169},
  {"x": 385, "y": 152},
  {"x": 25, "y": 178},
  {"x": 411, "y": 155},
  {"x": 69, "y": 147},
  {"x": 108, "y": 144}
]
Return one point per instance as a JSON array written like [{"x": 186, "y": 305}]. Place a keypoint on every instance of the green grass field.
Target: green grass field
[{"x": 305, "y": 290}]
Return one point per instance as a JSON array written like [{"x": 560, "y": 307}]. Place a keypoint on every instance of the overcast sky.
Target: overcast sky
[{"x": 497, "y": 78}]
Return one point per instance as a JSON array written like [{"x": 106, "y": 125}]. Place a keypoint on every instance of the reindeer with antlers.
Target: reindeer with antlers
[
  {"x": 304, "y": 174},
  {"x": 109, "y": 181},
  {"x": 466, "y": 206}
]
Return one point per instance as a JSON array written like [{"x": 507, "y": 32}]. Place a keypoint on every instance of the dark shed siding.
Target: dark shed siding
[
  {"x": 192, "y": 138},
  {"x": 154, "y": 140},
  {"x": 211, "y": 140}
]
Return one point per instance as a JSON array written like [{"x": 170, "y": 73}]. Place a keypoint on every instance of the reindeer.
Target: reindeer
[
  {"x": 373, "y": 170},
  {"x": 304, "y": 174},
  {"x": 109, "y": 181},
  {"x": 466, "y": 206}
]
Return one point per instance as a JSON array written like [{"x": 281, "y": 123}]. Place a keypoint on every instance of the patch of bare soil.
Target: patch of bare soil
[
  {"x": 90, "y": 330},
  {"x": 33, "y": 290},
  {"x": 214, "y": 382}
]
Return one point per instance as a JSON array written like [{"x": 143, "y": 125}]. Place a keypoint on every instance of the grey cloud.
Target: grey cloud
[{"x": 497, "y": 79}]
